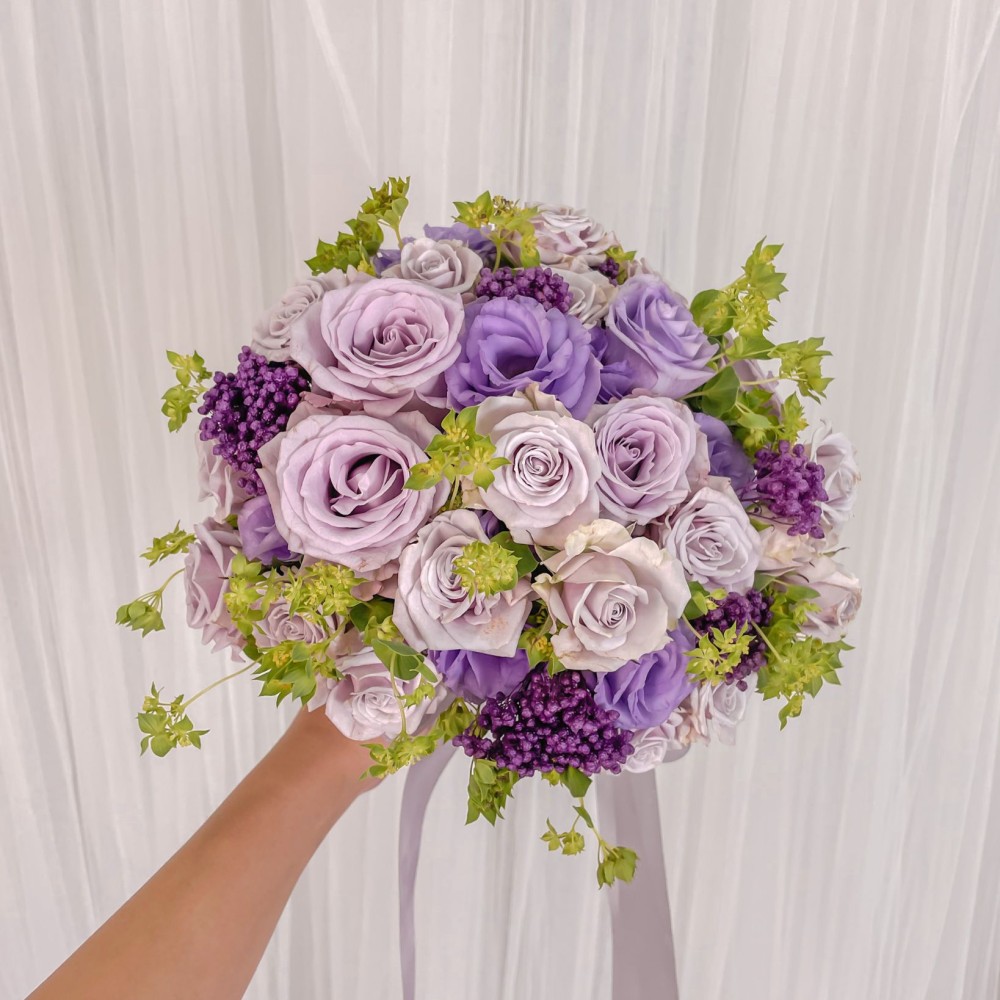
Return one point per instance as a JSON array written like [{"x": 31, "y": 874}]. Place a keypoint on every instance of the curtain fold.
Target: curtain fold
[{"x": 164, "y": 168}]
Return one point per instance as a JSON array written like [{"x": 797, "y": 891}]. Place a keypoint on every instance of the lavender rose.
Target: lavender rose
[
  {"x": 547, "y": 490},
  {"x": 206, "y": 583},
  {"x": 433, "y": 610},
  {"x": 476, "y": 239},
  {"x": 259, "y": 535},
  {"x": 379, "y": 343},
  {"x": 717, "y": 711},
  {"x": 591, "y": 292},
  {"x": 726, "y": 456},
  {"x": 615, "y": 597},
  {"x": 478, "y": 676},
  {"x": 448, "y": 265},
  {"x": 646, "y": 691},
  {"x": 218, "y": 481},
  {"x": 273, "y": 331},
  {"x": 335, "y": 483},
  {"x": 564, "y": 233},
  {"x": 363, "y": 705},
  {"x": 841, "y": 479},
  {"x": 713, "y": 539},
  {"x": 652, "y": 343},
  {"x": 280, "y": 625},
  {"x": 510, "y": 343},
  {"x": 657, "y": 745},
  {"x": 652, "y": 454},
  {"x": 838, "y": 597}
]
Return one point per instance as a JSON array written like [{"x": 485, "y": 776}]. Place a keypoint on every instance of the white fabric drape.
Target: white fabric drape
[{"x": 165, "y": 164}]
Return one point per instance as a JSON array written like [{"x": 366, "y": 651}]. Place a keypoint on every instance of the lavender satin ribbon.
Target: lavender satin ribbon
[
  {"x": 628, "y": 807},
  {"x": 643, "y": 963},
  {"x": 420, "y": 781}
]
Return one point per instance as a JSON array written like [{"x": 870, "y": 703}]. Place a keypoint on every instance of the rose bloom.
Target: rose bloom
[
  {"x": 717, "y": 711},
  {"x": 477, "y": 676},
  {"x": 447, "y": 265},
  {"x": 565, "y": 233},
  {"x": 614, "y": 596},
  {"x": 363, "y": 705},
  {"x": 206, "y": 583},
  {"x": 592, "y": 292},
  {"x": 433, "y": 610},
  {"x": 273, "y": 331},
  {"x": 652, "y": 342},
  {"x": 838, "y": 597},
  {"x": 841, "y": 479},
  {"x": 652, "y": 454},
  {"x": 380, "y": 343},
  {"x": 726, "y": 456},
  {"x": 259, "y": 535},
  {"x": 713, "y": 539},
  {"x": 510, "y": 343},
  {"x": 218, "y": 481},
  {"x": 646, "y": 691},
  {"x": 280, "y": 625},
  {"x": 657, "y": 745},
  {"x": 782, "y": 553},
  {"x": 547, "y": 490},
  {"x": 335, "y": 483}
]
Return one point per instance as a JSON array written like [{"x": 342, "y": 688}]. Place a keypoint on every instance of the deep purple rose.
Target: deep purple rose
[
  {"x": 645, "y": 691},
  {"x": 479, "y": 676},
  {"x": 652, "y": 342},
  {"x": 726, "y": 456},
  {"x": 259, "y": 535},
  {"x": 509, "y": 343}
]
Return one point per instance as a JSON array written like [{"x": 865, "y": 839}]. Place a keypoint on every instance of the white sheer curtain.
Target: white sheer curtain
[{"x": 165, "y": 164}]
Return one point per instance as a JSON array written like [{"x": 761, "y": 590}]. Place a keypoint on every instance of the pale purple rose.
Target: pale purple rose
[
  {"x": 433, "y": 610},
  {"x": 726, "y": 456},
  {"x": 652, "y": 342},
  {"x": 478, "y": 676},
  {"x": 713, "y": 539},
  {"x": 280, "y": 625},
  {"x": 510, "y": 343},
  {"x": 564, "y": 233},
  {"x": 206, "y": 583},
  {"x": 592, "y": 293},
  {"x": 363, "y": 705},
  {"x": 273, "y": 331},
  {"x": 380, "y": 343},
  {"x": 841, "y": 478},
  {"x": 613, "y": 597},
  {"x": 782, "y": 553},
  {"x": 716, "y": 711},
  {"x": 335, "y": 483},
  {"x": 652, "y": 454},
  {"x": 547, "y": 489},
  {"x": 218, "y": 481},
  {"x": 477, "y": 239},
  {"x": 838, "y": 597},
  {"x": 644, "y": 692},
  {"x": 657, "y": 745},
  {"x": 259, "y": 535},
  {"x": 447, "y": 265}
]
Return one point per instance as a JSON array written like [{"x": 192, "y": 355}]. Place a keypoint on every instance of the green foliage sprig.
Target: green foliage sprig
[
  {"x": 406, "y": 749},
  {"x": 457, "y": 452},
  {"x": 145, "y": 613},
  {"x": 172, "y": 543},
  {"x": 192, "y": 381},
  {"x": 508, "y": 223},
  {"x": 489, "y": 789},
  {"x": 356, "y": 248},
  {"x": 165, "y": 725},
  {"x": 797, "y": 665},
  {"x": 494, "y": 566}
]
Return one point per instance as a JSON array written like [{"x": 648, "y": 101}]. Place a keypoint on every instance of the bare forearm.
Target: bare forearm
[{"x": 209, "y": 912}]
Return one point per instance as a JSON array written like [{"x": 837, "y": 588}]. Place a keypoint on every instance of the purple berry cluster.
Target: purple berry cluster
[
  {"x": 538, "y": 283},
  {"x": 610, "y": 268},
  {"x": 244, "y": 409},
  {"x": 790, "y": 486},
  {"x": 751, "y": 608},
  {"x": 548, "y": 723}
]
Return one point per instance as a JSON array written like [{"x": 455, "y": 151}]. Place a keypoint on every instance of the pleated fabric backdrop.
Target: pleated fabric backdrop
[{"x": 165, "y": 164}]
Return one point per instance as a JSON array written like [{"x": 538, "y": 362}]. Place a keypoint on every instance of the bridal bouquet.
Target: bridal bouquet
[{"x": 502, "y": 487}]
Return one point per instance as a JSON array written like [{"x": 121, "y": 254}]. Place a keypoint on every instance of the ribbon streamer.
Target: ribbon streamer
[
  {"x": 642, "y": 943},
  {"x": 641, "y": 939}
]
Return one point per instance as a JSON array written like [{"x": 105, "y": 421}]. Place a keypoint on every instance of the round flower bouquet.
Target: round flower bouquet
[{"x": 502, "y": 488}]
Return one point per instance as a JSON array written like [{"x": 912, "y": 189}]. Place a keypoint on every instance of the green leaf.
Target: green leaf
[
  {"x": 576, "y": 781},
  {"x": 172, "y": 543},
  {"x": 718, "y": 395}
]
